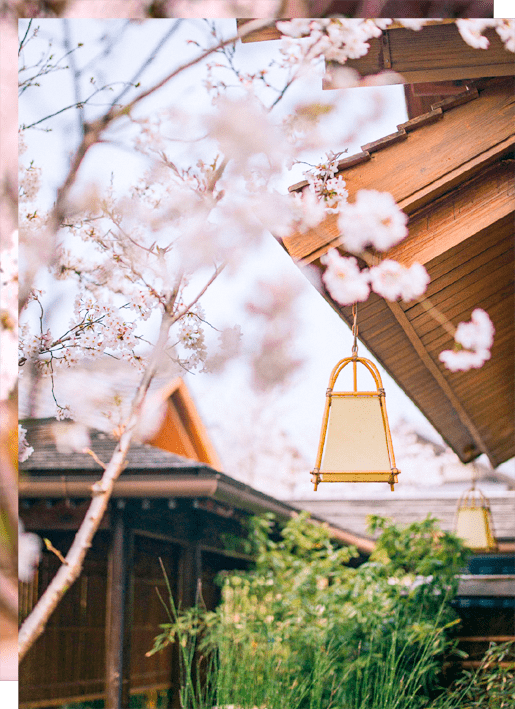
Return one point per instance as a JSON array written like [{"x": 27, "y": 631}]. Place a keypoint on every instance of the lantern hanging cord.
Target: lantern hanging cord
[
  {"x": 355, "y": 329},
  {"x": 474, "y": 474}
]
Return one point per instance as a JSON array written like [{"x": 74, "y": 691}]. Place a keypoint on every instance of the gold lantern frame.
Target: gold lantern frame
[
  {"x": 388, "y": 475},
  {"x": 473, "y": 520}
]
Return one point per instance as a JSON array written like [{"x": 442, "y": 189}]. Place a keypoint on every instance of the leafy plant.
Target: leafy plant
[
  {"x": 492, "y": 686},
  {"x": 304, "y": 630}
]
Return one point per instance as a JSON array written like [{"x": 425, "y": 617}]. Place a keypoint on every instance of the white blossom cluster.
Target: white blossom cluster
[
  {"x": 340, "y": 39},
  {"x": 472, "y": 32},
  {"x": 343, "y": 278},
  {"x": 334, "y": 39},
  {"x": 95, "y": 328},
  {"x": 24, "y": 449},
  {"x": 29, "y": 184},
  {"x": 473, "y": 342},
  {"x": 327, "y": 187},
  {"x": 191, "y": 336},
  {"x": 372, "y": 220},
  {"x": 29, "y": 553},
  {"x": 347, "y": 283}
]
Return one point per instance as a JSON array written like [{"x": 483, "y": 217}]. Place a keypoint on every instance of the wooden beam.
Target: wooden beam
[
  {"x": 440, "y": 379},
  {"x": 431, "y": 162},
  {"x": 118, "y": 612},
  {"x": 495, "y": 585},
  {"x": 436, "y": 156},
  {"x": 463, "y": 172},
  {"x": 64, "y": 514},
  {"x": 455, "y": 217},
  {"x": 436, "y": 53}
]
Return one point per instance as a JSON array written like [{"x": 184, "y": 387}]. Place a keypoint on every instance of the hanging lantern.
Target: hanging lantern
[
  {"x": 355, "y": 441},
  {"x": 473, "y": 521}
]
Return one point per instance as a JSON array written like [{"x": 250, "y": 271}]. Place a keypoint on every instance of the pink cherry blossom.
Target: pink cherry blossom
[
  {"x": 392, "y": 280},
  {"x": 478, "y": 334},
  {"x": 505, "y": 28},
  {"x": 29, "y": 553},
  {"x": 473, "y": 340},
  {"x": 24, "y": 449},
  {"x": 463, "y": 360},
  {"x": 374, "y": 219},
  {"x": 471, "y": 31},
  {"x": 414, "y": 23},
  {"x": 343, "y": 278}
]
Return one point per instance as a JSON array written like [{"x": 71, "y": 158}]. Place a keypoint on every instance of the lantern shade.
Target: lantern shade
[
  {"x": 355, "y": 435},
  {"x": 473, "y": 522},
  {"x": 355, "y": 442}
]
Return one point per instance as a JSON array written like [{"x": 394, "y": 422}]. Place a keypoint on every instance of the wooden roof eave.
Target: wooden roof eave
[
  {"x": 209, "y": 484},
  {"x": 428, "y": 155},
  {"x": 435, "y": 205}
]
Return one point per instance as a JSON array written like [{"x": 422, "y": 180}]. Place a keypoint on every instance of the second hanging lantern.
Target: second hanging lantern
[{"x": 355, "y": 440}]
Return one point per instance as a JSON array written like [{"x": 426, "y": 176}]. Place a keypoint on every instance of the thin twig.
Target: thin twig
[
  {"x": 94, "y": 131},
  {"x": 247, "y": 29},
  {"x": 95, "y": 457},
  {"x": 22, "y": 43},
  {"x": 76, "y": 74},
  {"x": 152, "y": 56},
  {"x": 55, "y": 551},
  {"x": 187, "y": 308}
]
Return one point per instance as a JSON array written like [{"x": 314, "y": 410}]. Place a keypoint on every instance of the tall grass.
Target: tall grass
[
  {"x": 304, "y": 631},
  {"x": 252, "y": 670}
]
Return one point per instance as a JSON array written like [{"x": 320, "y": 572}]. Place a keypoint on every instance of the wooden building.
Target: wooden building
[{"x": 165, "y": 506}]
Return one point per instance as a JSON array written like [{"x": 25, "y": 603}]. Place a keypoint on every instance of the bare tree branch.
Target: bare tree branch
[{"x": 93, "y": 133}]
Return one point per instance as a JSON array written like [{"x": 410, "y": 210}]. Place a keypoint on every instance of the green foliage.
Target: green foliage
[
  {"x": 303, "y": 629},
  {"x": 493, "y": 685}
]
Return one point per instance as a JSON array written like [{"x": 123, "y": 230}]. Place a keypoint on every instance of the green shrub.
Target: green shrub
[{"x": 303, "y": 629}]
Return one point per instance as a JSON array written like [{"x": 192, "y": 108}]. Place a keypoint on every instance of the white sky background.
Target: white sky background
[{"x": 232, "y": 411}]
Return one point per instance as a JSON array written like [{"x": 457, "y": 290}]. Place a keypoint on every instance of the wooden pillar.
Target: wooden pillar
[
  {"x": 118, "y": 615},
  {"x": 191, "y": 570}
]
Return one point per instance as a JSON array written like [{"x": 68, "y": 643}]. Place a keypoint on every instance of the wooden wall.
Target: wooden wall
[{"x": 68, "y": 663}]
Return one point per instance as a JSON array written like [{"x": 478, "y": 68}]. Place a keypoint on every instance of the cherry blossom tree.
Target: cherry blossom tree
[{"x": 148, "y": 254}]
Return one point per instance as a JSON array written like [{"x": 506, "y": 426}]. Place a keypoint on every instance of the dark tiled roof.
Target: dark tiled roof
[{"x": 47, "y": 457}]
